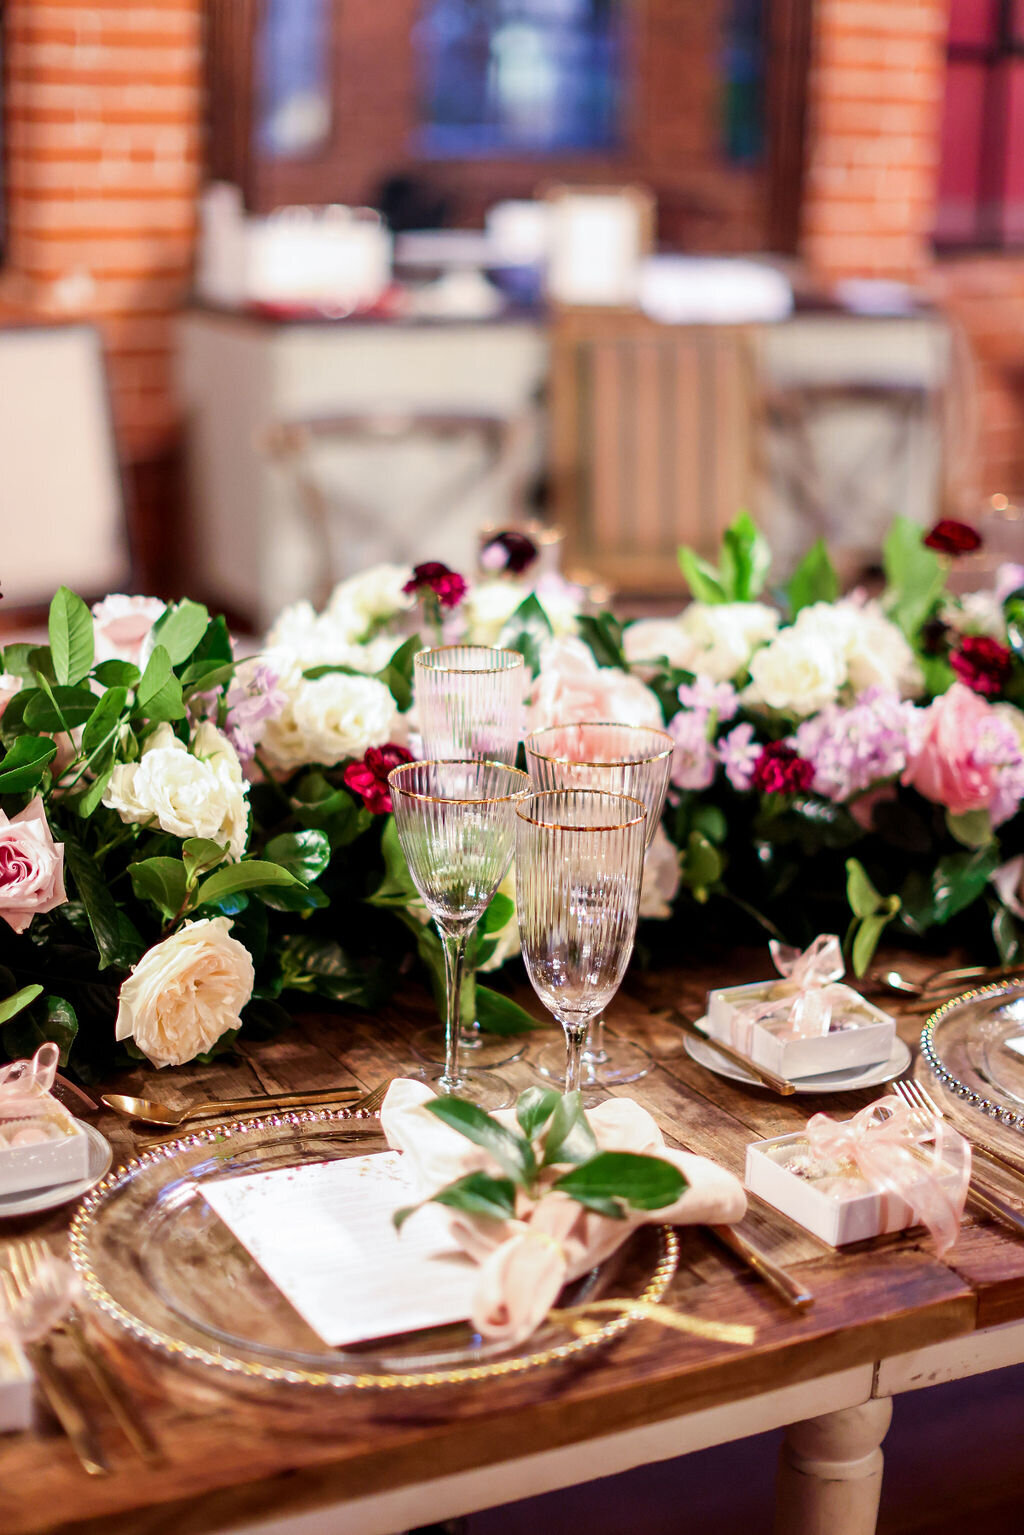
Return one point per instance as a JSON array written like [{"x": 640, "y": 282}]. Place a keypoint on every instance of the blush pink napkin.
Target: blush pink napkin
[{"x": 525, "y": 1262}]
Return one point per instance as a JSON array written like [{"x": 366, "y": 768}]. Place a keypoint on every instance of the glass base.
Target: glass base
[
  {"x": 484, "y": 1088},
  {"x": 620, "y": 1061},
  {"x": 476, "y": 1047}
]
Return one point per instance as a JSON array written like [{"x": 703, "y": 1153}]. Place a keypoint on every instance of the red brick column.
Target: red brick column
[
  {"x": 875, "y": 99},
  {"x": 103, "y": 131}
]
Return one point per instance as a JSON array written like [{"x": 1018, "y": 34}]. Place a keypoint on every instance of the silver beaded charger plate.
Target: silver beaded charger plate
[
  {"x": 965, "y": 1061},
  {"x": 158, "y": 1263}
]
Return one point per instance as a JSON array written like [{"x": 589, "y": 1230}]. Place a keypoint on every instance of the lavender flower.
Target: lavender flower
[
  {"x": 853, "y": 749},
  {"x": 1001, "y": 747},
  {"x": 694, "y": 759},
  {"x": 738, "y": 753},
  {"x": 718, "y": 698},
  {"x": 251, "y": 700}
]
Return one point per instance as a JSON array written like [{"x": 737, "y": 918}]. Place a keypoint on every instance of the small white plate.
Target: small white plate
[
  {"x": 828, "y": 1082},
  {"x": 31, "y": 1201}
]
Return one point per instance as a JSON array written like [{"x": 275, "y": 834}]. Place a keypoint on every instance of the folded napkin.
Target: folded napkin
[{"x": 525, "y": 1262}]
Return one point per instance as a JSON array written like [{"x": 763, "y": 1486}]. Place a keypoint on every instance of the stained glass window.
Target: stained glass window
[
  {"x": 519, "y": 76},
  {"x": 981, "y": 167},
  {"x": 294, "y": 85},
  {"x": 744, "y": 80}
]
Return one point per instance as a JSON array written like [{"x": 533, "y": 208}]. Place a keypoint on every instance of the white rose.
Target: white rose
[
  {"x": 725, "y": 636},
  {"x": 661, "y": 876},
  {"x": 488, "y": 606},
  {"x": 872, "y": 649},
  {"x": 186, "y": 992},
  {"x": 976, "y": 613},
  {"x": 325, "y": 639},
  {"x": 797, "y": 674},
  {"x": 649, "y": 639},
  {"x": 189, "y": 792},
  {"x": 328, "y": 719},
  {"x": 373, "y": 597}
]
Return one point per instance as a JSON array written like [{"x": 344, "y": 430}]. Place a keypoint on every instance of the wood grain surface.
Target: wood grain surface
[{"x": 232, "y": 1454}]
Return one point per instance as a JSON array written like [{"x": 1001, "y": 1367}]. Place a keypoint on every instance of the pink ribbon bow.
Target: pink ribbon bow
[
  {"x": 897, "y": 1151},
  {"x": 804, "y": 999},
  {"x": 24, "y": 1084}
]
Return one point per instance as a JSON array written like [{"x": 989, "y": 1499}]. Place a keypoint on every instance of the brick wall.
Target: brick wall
[{"x": 103, "y": 128}]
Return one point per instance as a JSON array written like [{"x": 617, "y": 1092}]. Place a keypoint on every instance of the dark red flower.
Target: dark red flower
[
  {"x": 446, "y": 585},
  {"x": 781, "y": 770},
  {"x": 511, "y": 551},
  {"x": 369, "y": 778},
  {"x": 951, "y": 537},
  {"x": 982, "y": 663}
]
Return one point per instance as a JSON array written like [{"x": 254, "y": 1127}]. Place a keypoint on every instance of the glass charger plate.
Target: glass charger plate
[
  {"x": 157, "y": 1262},
  {"x": 964, "y": 1046}
]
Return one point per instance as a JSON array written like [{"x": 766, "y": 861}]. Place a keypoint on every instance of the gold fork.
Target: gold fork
[
  {"x": 25, "y": 1260},
  {"x": 980, "y": 1192},
  {"x": 371, "y": 1100}
]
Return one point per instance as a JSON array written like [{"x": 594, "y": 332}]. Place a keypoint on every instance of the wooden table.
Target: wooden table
[{"x": 889, "y": 1317}]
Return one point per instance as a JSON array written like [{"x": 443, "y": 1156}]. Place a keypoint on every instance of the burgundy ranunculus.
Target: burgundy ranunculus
[
  {"x": 982, "y": 664},
  {"x": 369, "y": 778},
  {"x": 510, "y": 551},
  {"x": 951, "y": 537},
  {"x": 446, "y": 585},
  {"x": 781, "y": 770}
]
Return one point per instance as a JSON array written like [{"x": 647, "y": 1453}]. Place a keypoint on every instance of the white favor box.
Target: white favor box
[
  {"x": 836, "y": 1221},
  {"x": 867, "y": 1038},
  {"x": 64, "y": 1158},
  {"x": 15, "y": 1389}
]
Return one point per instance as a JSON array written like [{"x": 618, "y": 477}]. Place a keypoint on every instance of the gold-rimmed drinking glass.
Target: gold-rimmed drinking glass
[
  {"x": 619, "y": 759},
  {"x": 579, "y": 866},
  {"x": 456, "y": 825},
  {"x": 469, "y": 704}
]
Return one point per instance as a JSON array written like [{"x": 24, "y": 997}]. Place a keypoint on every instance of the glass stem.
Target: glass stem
[
  {"x": 454, "y": 945},
  {"x": 575, "y": 1034},
  {"x": 593, "y": 1052}
]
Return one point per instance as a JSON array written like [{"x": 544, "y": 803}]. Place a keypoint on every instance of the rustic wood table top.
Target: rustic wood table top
[{"x": 231, "y": 1456}]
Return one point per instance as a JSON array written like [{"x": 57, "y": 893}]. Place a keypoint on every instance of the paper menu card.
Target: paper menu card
[{"x": 323, "y": 1234}]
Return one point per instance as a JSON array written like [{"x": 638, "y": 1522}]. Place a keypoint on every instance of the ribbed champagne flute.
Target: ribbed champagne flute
[
  {"x": 456, "y": 825},
  {"x": 619, "y": 759},
  {"x": 579, "y": 866},
  {"x": 469, "y": 704}
]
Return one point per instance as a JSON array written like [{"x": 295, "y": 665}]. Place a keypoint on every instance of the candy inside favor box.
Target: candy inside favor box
[
  {"x": 41, "y": 1144},
  {"x": 804, "y": 1023}
]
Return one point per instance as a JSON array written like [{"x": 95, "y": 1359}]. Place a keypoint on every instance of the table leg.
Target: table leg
[{"x": 830, "y": 1472}]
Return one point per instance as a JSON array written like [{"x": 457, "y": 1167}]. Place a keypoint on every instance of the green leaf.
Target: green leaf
[
  {"x": 646, "y": 1183},
  {"x": 745, "y": 559},
  {"x": 205, "y": 676},
  {"x": 498, "y": 1014},
  {"x": 534, "y": 1108},
  {"x": 200, "y": 854},
  {"x": 100, "y": 906},
  {"x": 475, "y": 1194},
  {"x": 322, "y": 967},
  {"x": 701, "y": 865},
  {"x": 295, "y": 898},
  {"x": 1007, "y": 936},
  {"x": 116, "y": 674},
  {"x": 22, "y": 768},
  {"x": 527, "y": 630},
  {"x": 40, "y": 659},
  {"x": 509, "y": 1150},
  {"x": 71, "y": 637},
  {"x": 959, "y": 879},
  {"x": 335, "y": 811},
  {"x": 702, "y": 578},
  {"x": 59, "y": 708},
  {"x": 248, "y": 875},
  {"x": 813, "y": 580},
  {"x": 397, "y": 887},
  {"x": 162, "y": 881},
  {"x": 570, "y": 1138},
  {"x": 215, "y": 644},
  {"x": 17, "y": 1000},
  {"x": 864, "y": 900},
  {"x": 915, "y": 575},
  {"x": 104, "y": 718},
  {"x": 17, "y": 661},
  {"x": 305, "y": 854},
  {"x": 329, "y": 669},
  {"x": 869, "y": 931},
  {"x": 973, "y": 829},
  {"x": 603, "y": 633},
  {"x": 93, "y": 796},
  {"x": 711, "y": 823},
  {"x": 158, "y": 695},
  {"x": 180, "y": 628},
  {"x": 499, "y": 913},
  {"x": 398, "y": 674}
]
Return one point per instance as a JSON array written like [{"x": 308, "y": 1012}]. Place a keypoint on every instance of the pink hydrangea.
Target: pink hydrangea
[
  {"x": 694, "y": 760},
  {"x": 856, "y": 748},
  {"x": 738, "y": 753}
]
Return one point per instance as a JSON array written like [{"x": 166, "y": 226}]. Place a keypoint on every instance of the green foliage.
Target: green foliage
[
  {"x": 814, "y": 579},
  {"x": 475, "y": 1194},
  {"x": 398, "y": 674},
  {"x": 512, "y": 1152},
  {"x": 526, "y": 631},
  {"x": 22, "y": 768},
  {"x": 915, "y": 576},
  {"x": 162, "y": 881},
  {"x": 180, "y": 628},
  {"x": 498, "y": 1014},
  {"x": 250, "y": 874},
  {"x": 612, "y": 1180},
  {"x": 13, "y": 1004},
  {"x": 71, "y": 637},
  {"x": 158, "y": 696},
  {"x": 872, "y": 913},
  {"x": 603, "y": 633},
  {"x": 744, "y": 560}
]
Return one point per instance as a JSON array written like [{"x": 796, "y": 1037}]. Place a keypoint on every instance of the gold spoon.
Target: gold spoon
[{"x": 150, "y": 1112}]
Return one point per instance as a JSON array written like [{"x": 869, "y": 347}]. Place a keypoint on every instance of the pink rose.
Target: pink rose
[
  {"x": 121, "y": 626},
  {"x": 947, "y": 766},
  {"x": 31, "y": 867},
  {"x": 573, "y": 689}
]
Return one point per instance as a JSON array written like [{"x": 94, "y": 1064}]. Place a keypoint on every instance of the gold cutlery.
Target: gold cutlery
[
  {"x": 983, "y": 1194},
  {"x": 770, "y": 1079},
  {"x": 151, "y": 1112},
  {"x": 25, "y": 1260},
  {"x": 371, "y": 1100},
  {"x": 774, "y": 1275},
  {"x": 62, "y": 1396},
  {"x": 938, "y": 982}
]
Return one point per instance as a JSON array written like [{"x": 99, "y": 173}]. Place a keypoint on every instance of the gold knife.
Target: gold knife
[
  {"x": 778, "y": 1084},
  {"x": 774, "y": 1275},
  {"x": 67, "y": 1409},
  {"x": 122, "y": 1405}
]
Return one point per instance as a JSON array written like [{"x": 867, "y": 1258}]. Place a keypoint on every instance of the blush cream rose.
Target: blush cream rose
[
  {"x": 31, "y": 867},
  {"x": 121, "y": 626},
  {"x": 186, "y": 992},
  {"x": 189, "y": 791}
]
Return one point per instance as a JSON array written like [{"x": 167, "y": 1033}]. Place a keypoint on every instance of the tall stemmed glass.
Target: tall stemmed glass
[
  {"x": 579, "y": 866},
  {"x": 620, "y": 759},
  {"x": 469, "y": 704},
  {"x": 456, "y": 824}
]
